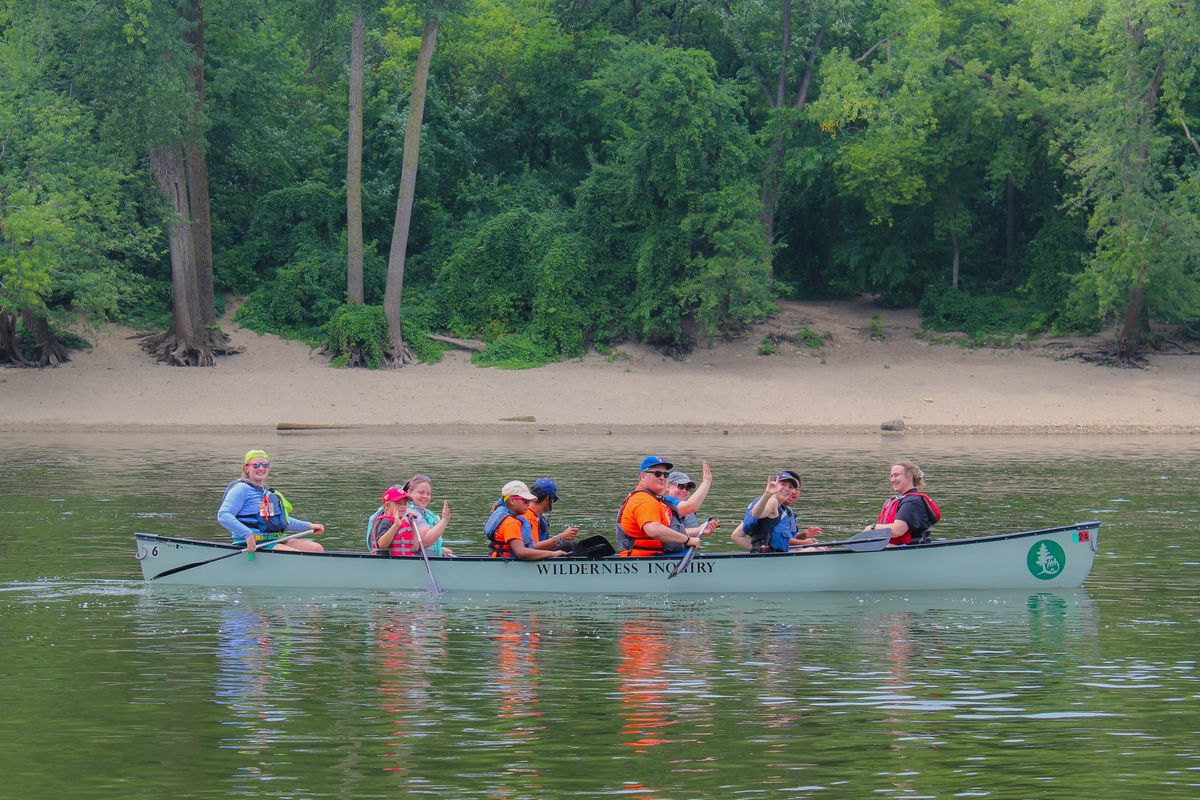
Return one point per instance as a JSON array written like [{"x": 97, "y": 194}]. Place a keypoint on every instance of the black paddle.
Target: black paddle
[
  {"x": 594, "y": 547},
  {"x": 863, "y": 541},
  {"x": 686, "y": 561},
  {"x": 176, "y": 570}
]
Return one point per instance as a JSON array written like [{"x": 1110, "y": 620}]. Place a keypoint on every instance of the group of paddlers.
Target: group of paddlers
[{"x": 660, "y": 517}]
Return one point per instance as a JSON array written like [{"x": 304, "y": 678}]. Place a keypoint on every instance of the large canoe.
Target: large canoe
[{"x": 1047, "y": 558}]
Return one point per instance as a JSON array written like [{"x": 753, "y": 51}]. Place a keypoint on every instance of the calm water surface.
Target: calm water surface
[{"x": 112, "y": 689}]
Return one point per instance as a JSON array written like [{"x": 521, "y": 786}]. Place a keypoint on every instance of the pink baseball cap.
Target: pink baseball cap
[{"x": 395, "y": 494}]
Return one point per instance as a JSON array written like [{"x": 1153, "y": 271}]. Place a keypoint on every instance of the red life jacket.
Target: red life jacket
[
  {"x": 404, "y": 543},
  {"x": 892, "y": 505}
]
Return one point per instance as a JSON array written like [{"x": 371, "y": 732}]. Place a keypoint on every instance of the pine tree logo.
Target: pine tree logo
[{"x": 1046, "y": 559}]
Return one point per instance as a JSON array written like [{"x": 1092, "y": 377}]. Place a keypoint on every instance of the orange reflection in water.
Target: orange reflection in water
[{"x": 643, "y": 655}]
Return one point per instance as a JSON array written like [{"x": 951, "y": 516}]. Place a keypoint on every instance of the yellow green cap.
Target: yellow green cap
[{"x": 253, "y": 454}]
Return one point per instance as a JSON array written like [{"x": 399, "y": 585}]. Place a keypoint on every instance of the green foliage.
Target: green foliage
[
  {"x": 767, "y": 347},
  {"x": 669, "y": 209},
  {"x": 946, "y": 309},
  {"x": 515, "y": 351},
  {"x": 357, "y": 336},
  {"x": 809, "y": 338},
  {"x": 520, "y": 272},
  {"x": 594, "y": 172},
  {"x": 300, "y": 298}
]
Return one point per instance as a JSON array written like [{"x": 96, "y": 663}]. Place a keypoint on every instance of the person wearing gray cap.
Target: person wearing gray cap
[{"x": 682, "y": 489}]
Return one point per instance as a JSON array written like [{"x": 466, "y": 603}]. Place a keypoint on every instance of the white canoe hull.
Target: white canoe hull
[{"x": 1051, "y": 558}]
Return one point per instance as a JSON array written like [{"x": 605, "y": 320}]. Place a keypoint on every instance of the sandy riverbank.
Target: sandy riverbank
[{"x": 851, "y": 383}]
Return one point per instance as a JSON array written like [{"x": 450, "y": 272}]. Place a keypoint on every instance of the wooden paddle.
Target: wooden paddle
[
  {"x": 686, "y": 561},
  {"x": 175, "y": 570},
  {"x": 431, "y": 583}
]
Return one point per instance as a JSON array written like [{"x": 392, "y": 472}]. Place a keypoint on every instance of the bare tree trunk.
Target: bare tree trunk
[
  {"x": 399, "y": 354},
  {"x": 197, "y": 181},
  {"x": 1129, "y": 342},
  {"x": 187, "y": 343},
  {"x": 354, "y": 233},
  {"x": 1010, "y": 230},
  {"x": 954, "y": 259},
  {"x": 50, "y": 349},
  {"x": 769, "y": 194},
  {"x": 10, "y": 345}
]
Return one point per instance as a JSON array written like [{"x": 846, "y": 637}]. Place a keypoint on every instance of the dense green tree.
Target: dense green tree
[{"x": 669, "y": 207}]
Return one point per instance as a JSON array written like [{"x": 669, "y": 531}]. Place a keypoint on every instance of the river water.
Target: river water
[{"x": 113, "y": 689}]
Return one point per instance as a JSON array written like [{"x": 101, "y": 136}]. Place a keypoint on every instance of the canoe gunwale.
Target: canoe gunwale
[{"x": 1093, "y": 525}]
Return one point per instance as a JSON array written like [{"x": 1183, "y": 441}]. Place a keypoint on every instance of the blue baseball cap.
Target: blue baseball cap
[
  {"x": 544, "y": 487},
  {"x": 655, "y": 461}
]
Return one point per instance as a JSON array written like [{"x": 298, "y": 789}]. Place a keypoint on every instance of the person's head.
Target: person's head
[
  {"x": 516, "y": 497},
  {"x": 789, "y": 486},
  {"x": 420, "y": 490},
  {"x": 545, "y": 492},
  {"x": 905, "y": 476},
  {"x": 255, "y": 465},
  {"x": 655, "y": 470},
  {"x": 680, "y": 485},
  {"x": 395, "y": 498}
]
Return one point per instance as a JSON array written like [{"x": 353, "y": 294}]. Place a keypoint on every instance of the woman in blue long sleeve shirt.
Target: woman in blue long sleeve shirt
[{"x": 239, "y": 511}]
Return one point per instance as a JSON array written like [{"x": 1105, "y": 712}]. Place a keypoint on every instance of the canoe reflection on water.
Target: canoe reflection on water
[{"x": 506, "y": 681}]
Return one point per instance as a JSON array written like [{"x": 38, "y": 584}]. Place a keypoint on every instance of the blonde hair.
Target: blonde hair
[{"x": 918, "y": 475}]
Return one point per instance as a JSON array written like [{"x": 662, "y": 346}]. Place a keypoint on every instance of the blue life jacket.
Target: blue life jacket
[
  {"x": 761, "y": 530},
  {"x": 493, "y": 524},
  {"x": 275, "y": 521}
]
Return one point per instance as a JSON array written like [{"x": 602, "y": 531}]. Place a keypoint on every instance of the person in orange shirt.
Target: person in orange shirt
[
  {"x": 647, "y": 525},
  {"x": 516, "y": 535}
]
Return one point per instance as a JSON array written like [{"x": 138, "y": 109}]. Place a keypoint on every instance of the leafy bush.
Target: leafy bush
[
  {"x": 357, "y": 336},
  {"x": 515, "y": 351},
  {"x": 520, "y": 272},
  {"x": 946, "y": 309},
  {"x": 300, "y": 298}
]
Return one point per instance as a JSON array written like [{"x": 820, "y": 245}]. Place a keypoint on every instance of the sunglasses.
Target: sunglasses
[
  {"x": 657, "y": 473},
  {"x": 260, "y": 464}
]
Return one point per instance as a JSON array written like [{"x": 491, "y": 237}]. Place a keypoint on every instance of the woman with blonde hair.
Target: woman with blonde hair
[{"x": 910, "y": 513}]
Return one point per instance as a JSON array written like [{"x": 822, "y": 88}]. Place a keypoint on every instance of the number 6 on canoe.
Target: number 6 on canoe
[{"x": 185, "y": 567}]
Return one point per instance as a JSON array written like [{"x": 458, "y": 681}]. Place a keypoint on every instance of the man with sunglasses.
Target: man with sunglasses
[{"x": 644, "y": 523}]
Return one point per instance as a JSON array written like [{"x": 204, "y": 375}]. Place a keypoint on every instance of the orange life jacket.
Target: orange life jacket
[{"x": 639, "y": 545}]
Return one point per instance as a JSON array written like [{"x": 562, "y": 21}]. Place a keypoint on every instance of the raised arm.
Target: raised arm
[{"x": 693, "y": 503}]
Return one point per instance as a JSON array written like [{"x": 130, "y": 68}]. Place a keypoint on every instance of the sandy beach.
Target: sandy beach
[{"x": 851, "y": 383}]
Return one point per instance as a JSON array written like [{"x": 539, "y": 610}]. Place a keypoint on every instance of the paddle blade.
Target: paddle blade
[
  {"x": 864, "y": 542},
  {"x": 594, "y": 547},
  {"x": 683, "y": 564}
]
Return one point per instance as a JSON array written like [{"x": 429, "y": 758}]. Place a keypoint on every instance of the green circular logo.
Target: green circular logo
[{"x": 1046, "y": 560}]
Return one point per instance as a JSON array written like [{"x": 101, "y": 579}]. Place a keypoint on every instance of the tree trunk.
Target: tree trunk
[
  {"x": 197, "y": 180},
  {"x": 10, "y": 345},
  {"x": 771, "y": 178},
  {"x": 399, "y": 354},
  {"x": 1010, "y": 230},
  {"x": 354, "y": 233},
  {"x": 187, "y": 343},
  {"x": 50, "y": 349},
  {"x": 1129, "y": 343},
  {"x": 954, "y": 259}
]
